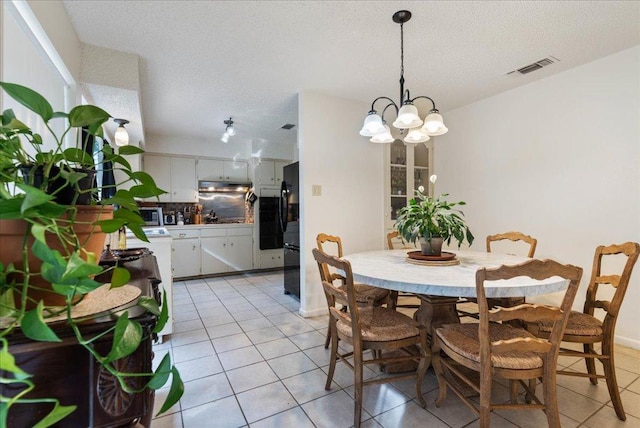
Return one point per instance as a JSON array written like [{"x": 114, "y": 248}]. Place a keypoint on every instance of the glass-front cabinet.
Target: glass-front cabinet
[{"x": 409, "y": 168}]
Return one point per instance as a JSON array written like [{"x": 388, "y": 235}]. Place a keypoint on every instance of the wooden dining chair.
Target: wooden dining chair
[
  {"x": 493, "y": 348},
  {"x": 584, "y": 327},
  {"x": 364, "y": 293},
  {"x": 392, "y": 244},
  {"x": 369, "y": 327},
  {"x": 527, "y": 245}
]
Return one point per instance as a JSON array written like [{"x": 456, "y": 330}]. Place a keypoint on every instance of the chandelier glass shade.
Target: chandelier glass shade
[{"x": 407, "y": 115}]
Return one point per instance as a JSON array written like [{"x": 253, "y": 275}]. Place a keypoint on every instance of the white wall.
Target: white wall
[
  {"x": 350, "y": 170},
  {"x": 558, "y": 159}
]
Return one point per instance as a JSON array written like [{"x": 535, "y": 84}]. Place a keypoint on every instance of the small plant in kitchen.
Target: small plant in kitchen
[
  {"x": 43, "y": 186},
  {"x": 433, "y": 218}
]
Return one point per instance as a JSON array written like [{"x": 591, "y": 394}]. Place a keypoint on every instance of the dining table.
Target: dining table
[{"x": 440, "y": 286}]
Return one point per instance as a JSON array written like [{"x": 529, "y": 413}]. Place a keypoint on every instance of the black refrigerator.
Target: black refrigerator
[{"x": 289, "y": 210}]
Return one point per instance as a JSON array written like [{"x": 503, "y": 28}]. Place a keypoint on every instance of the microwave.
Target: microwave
[{"x": 152, "y": 216}]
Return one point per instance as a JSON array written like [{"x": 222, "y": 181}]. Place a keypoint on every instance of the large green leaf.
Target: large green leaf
[
  {"x": 150, "y": 304},
  {"x": 161, "y": 374},
  {"x": 77, "y": 155},
  {"x": 58, "y": 413},
  {"x": 30, "y": 99},
  {"x": 86, "y": 115},
  {"x": 175, "y": 392},
  {"x": 34, "y": 327},
  {"x": 126, "y": 338},
  {"x": 78, "y": 268},
  {"x": 11, "y": 209},
  {"x": 8, "y": 362},
  {"x": 33, "y": 197},
  {"x": 119, "y": 277},
  {"x": 130, "y": 150}
]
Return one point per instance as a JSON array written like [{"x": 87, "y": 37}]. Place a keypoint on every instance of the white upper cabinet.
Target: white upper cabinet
[
  {"x": 269, "y": 173},
  {"x": 219, "y": 170},
  {"x": 175, "y": 175}
]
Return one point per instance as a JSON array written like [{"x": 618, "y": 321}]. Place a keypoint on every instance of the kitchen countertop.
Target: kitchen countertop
[{"x": 203, "y": 225}]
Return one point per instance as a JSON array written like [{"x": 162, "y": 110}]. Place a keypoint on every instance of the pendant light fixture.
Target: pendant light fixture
[
  {"x": 121, "y": 136},
  {"x": 229, "y": 131},
  {"x": 407, "y": 114}
]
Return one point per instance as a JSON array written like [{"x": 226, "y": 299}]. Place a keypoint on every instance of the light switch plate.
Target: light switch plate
[{"x": 316, "y": 190}]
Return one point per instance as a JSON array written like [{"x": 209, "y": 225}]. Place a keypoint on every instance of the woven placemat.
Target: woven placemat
[
  {"x": 452, "y": 262},
  {"x": 102, "y": 300}
]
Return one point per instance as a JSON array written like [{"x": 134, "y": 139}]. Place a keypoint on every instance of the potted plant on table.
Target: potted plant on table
[
  {"x": 433, "y": 221},
  {"x": 48, "y": 211}
]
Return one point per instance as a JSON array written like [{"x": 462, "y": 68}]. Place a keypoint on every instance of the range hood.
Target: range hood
[{"x": 223, "y": 187}]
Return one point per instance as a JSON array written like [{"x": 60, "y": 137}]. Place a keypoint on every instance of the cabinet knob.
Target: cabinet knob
[{"x": 231, "y": 244}]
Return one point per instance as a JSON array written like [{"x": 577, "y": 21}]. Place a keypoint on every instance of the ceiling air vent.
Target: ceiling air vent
[
  {"x": 287, "y": 126},
  {"x": 535, "y": 66}
]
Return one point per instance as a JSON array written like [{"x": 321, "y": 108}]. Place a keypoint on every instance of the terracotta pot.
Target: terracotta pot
[{"x": 91, "y": 237}]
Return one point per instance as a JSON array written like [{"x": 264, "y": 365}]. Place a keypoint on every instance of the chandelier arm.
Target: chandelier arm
[
  {"x": 387, "y": 106},
  {"x": 383, "y": 98},
  {"x": 423, "y": 96}
]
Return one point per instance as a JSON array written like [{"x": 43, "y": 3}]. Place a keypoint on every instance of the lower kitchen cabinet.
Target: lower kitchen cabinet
[
  {"x": 211, "y": 250},
  {"x": 271, "y": 258},
  {"x": 231, "y": 252},
  {"x": 186, "y": 257}
]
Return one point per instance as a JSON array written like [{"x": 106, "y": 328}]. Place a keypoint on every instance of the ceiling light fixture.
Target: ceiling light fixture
[
  {"x": 121, "y": 136},
  {"x": 407, "y": 115},
  {"x": 229, "y": 131}
]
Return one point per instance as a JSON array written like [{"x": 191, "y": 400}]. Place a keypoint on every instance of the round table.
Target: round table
[{"x": 439, "y": 287}]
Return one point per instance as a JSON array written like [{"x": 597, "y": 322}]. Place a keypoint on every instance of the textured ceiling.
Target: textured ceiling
[{"x": 203, "y": 61}]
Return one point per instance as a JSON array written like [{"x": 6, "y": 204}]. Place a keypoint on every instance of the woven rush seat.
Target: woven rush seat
[
  {"x": 464, "y": 339},
  {"x": 580, "y": 324},
  {"x": 365, "y": 293},
  {"x": 381, "y": 325}
]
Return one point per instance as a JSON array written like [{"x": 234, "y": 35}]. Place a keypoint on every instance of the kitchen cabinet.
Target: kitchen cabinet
[
  {"x": 222, "y": 170},
  {"x": 269, "y": 172},
  {"x": 270, "y": 259},
  {"x": 229, "y": 253},
  {"x": 159, "y": 167},
  {"x": 176, "y": 175},
  {"x": 211, "y": 250},
  {"x": 408, "y": 168},
  {"x": 186, "y": 252}
]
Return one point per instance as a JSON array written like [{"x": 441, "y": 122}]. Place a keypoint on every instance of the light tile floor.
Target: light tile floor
[{"x": 248, "y": 359}]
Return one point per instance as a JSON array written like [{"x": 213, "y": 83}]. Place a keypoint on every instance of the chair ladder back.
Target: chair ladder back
[
  {"x": 535, "y": 269},
  {"x": 514, "y": 237},
  {"x": 344, "y": 266},
  {"x": 323, "y": 238},
  {"x": 618, "y": 281}
]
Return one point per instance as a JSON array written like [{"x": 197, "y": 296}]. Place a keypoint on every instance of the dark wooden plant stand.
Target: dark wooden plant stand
[{"x": 69, "y": 373}]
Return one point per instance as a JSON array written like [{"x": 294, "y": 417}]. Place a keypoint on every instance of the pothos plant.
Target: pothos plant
[
  {"x": 33, "y": 174},
  {"x": 433, "y": 217}
]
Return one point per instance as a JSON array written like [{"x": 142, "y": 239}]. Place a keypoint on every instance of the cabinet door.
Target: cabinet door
[
  {"x": 159, "y": 167},
  {"x": 278, "y": 171},
  {"x": 183, "y": 180},
  {"x": 213, "y": 254},
  {"x": 266, "y": 173},
  {"x": 240, "y": 253},
  {"x": 210, "y": 169},
  {"x": 236, "y": 171},
  {"x": 186, "y": 257}
]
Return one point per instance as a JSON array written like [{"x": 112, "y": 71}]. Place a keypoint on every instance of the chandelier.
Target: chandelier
[{"x": 407, "y": 116}]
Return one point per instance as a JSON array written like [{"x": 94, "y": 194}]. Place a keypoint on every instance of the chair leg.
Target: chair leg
[
  {"x": 357, "y": 373},
  {"x": 485, "y": 400},
  {"x": 590, "y": 362},
  {"x": 328, "y": 339},
  {"x": 334, "y": 356},
  {"x": 549, "y": 391},
  {"x": 610, "y": 376},
  {"x": 513, "y": 387}
]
